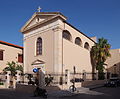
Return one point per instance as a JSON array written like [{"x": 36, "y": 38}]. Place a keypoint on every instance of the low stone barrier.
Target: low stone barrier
[{"x": 92, "y": 83}]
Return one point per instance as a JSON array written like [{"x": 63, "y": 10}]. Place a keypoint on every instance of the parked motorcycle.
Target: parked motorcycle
[{"x": 112, "y": 82}]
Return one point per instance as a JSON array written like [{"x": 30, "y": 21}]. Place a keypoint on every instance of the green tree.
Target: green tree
[
  {"x": 19, "y": 67},
  {"x": 100, "y": 52},
  {"x": 13, "y": 67}
]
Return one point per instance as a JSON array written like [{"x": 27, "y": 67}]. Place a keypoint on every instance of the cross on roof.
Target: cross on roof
[{"x": 39, "y": 9}]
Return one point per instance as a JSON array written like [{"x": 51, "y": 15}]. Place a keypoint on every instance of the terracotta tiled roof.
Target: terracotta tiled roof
[{"x": 9, "y": 44}]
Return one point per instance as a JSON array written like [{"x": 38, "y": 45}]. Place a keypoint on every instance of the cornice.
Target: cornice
[
  {"x": 58, "y": 28},
  {"x": 54, "y": 26}
]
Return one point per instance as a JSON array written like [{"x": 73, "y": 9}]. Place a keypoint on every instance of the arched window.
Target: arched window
[
  {"x": 39, "y": 46},
  {"x": 67, "y": 35},
  {"x": 86, "y": 46},
  {"x": 78, "y": 41}
]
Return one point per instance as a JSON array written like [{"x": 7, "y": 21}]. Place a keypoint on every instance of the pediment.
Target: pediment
[
  {"x": 37, "y": 20},
  {"x": 37, "y": 62},
  {"x": 40, "y": 17}
]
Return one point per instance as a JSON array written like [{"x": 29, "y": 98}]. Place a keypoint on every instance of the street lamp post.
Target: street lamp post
[
  {"x": 74, "y": 78},
  {"x": 115, "y": 68}
]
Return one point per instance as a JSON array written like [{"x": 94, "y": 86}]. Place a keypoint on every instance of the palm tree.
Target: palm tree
[
  {"x": 100, "y": 52},
  {"x": 13, "y": 67},
  {"x": 19, "y": 67}
]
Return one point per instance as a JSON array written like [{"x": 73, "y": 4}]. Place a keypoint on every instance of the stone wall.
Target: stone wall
[{"x": 92, "y": 83}]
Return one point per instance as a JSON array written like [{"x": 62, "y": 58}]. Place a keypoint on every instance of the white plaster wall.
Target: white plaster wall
[
  {"x": 74, "y": 55},
  {"x": 47, "y": 51},
  {"x": 9, "y": 54}
]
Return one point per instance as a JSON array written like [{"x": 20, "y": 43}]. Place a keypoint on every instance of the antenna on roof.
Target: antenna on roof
[{"x": 39, "y": 8}]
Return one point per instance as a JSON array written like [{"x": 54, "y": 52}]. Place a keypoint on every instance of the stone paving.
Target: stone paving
[
  {"x": 12, "y": 94},
  {"x": 67, "y": 93}
]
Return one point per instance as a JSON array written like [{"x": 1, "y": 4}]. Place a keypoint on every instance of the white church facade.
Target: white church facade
[{"x": 54, "y": 45}]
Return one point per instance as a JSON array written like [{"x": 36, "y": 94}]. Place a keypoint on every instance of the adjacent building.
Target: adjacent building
[
  {"x": 113, "y": 63},
  {"x": 54, "y": 45},
  {"x": 8, "y": 53}
]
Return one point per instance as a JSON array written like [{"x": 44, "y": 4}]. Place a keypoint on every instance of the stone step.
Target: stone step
[{"x": 82, "y": 89}]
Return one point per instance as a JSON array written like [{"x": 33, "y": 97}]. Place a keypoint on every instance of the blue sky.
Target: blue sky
[{"x": 99, "y": 18}]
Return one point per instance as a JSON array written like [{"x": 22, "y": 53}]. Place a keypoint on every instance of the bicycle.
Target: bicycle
[{"x": 72, "y": 88}]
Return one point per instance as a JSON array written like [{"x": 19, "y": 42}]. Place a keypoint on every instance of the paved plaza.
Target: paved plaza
[{"x": 99, "y": 93}]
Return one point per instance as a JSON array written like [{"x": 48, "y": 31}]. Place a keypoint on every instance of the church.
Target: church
[{"x": 54, "y": 45}]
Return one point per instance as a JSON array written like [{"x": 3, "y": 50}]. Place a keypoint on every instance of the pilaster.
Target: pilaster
[{"x": 57, "y": 50}]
